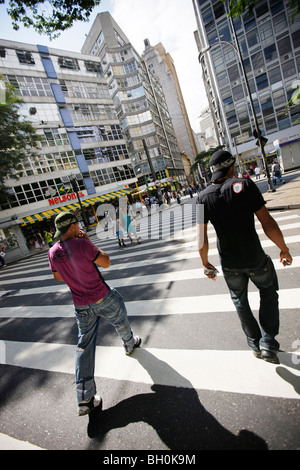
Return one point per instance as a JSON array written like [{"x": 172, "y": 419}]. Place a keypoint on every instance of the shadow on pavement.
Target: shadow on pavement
[{"x": 174, "y": 411}]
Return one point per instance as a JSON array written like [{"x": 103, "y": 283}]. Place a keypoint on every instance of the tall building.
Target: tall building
[
  {"x": 139, "y": 102},
  {"x": 67, "y": 100},
  {"x": 162, "y": 66},
  {"x": 270, "y": 46}
]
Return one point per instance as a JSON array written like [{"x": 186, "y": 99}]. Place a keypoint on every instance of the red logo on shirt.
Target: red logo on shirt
[{"x": 237, "y": 187}]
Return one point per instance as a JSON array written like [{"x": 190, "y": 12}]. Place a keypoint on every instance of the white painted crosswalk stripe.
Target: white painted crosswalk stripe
[
  {"x": 288, "y": 299},
  {"x": 172, "y": 276},
  {"x": 182, "y": 255},
  {"x": 230, "y": 371}
]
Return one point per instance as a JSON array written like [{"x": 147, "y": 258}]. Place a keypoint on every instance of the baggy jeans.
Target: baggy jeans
[
  {"x": 265, "y": 279},
  {"x": 113, "y": 309}
]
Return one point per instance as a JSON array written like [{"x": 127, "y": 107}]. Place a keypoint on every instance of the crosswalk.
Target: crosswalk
[{"x": 188, "y": 323}]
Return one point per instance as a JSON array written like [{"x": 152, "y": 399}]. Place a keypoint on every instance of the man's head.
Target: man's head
[
  {"x": 220, "y": 163},
  {"x": 63, "y": 222}
]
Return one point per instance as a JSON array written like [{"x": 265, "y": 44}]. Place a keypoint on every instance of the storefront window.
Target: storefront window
[{"x": 8, "y": 239}]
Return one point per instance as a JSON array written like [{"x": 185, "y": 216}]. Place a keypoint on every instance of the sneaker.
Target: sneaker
[
  {"x": 269, "y": 356},
  {"x": 86, "y": 406},
  {"x": 137, "y": 343},
  {"x": 257, "y": 353}
]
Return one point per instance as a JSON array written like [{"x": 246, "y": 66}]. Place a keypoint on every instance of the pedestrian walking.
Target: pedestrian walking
[
  {"x": 2, "y": 258},
  {"x": 49, "y": 238},
  {"x": 73, "y": 260},
  {"x": 120, "y": 234},
  {"x": 276, "y": 173},
  {"x": 230, "y": 204},
  {"x": 257, "y": 172}
]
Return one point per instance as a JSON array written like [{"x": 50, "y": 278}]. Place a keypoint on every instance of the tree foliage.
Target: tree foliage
[
  {"x": 204, "y": 157},
  {"x": 17, "y": 136},
  {"x": 49, "y": 17}
]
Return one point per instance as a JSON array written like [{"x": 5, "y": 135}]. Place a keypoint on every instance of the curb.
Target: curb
[{"x": 285, "y": 207}]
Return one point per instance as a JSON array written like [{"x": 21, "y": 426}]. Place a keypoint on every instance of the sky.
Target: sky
[{"x": 171, "y": 22}]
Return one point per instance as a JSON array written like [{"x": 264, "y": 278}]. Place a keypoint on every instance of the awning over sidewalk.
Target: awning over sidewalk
[{"x": 75, "y": 206}]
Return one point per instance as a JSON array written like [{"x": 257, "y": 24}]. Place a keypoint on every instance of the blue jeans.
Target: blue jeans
[
  {"x": 113, "y": 309},
  {"x": 265, "y": 279}
]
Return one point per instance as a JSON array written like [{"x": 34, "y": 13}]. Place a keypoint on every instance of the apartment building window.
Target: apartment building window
[
  {"x": 266, "y": 33},
  {"x": 262, "y": 81},
  {"x": 257, "y": 60},
  {"x": 30, "y": 86},
  {"x": 284, "y": 46},
  {"x": 279, "y": 23},
  {"x": 270, "y": 53},
  {"x": 2, "y": 52},
  {"x": 130, "y": 67},
  {"x": 296, "y": 39},
  {"x": 219, "y": 10},
  {"x": 277, "y": 6},
  {"x": 207, "y": 16},
  {"x": 279, "y": 98},
  {"x": 252, "y": 38},
  {"x": 68, "y": 63},
  {"x": 25, "y": 57},
  {"x": 288, "y": 69},
  {"x": 267, "y": 106},
  {"x": 53, "y": 137},
  {"x": 75, "y": 89},
  {"x": 249, "y": 21},
  {"x": 94, "y": 68},
  {"x": 274, "y": 75},
  {"x": 261, "y": 9}
]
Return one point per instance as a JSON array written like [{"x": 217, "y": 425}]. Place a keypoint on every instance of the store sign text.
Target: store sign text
[{"x": 64, "y": 198}]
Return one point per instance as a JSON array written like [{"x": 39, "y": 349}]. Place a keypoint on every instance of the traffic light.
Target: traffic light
[{"x": 261, "y": 139}]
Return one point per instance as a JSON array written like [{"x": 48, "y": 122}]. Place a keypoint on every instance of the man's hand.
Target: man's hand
[
  {"x": 210, "y": 271},
  {"x": 83, "y": 234},
  {"x": 285, "y": 258}
]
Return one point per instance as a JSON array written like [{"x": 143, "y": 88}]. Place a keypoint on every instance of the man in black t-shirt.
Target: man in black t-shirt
[{"x": 230, "y": 204}]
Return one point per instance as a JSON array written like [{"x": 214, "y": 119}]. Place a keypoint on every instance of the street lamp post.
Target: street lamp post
[
  {"x": 73, "y": 181},
  {"x": 257, "y": 133}
]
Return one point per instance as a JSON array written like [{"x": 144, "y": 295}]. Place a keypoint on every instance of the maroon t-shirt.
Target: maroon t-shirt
[{"x": 73, "y": 260}]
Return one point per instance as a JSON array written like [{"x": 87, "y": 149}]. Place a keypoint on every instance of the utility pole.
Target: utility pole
[{"x": 158, "y": 190}]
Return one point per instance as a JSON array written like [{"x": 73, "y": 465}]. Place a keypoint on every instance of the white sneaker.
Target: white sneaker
[
  {"x": 137, "y": 343},
  {"x": 86, "y": 406}
]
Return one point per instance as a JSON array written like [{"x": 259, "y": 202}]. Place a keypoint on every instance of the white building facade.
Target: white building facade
[{"x": 66, "y": 98}]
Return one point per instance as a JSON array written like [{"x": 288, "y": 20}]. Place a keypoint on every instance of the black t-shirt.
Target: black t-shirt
[{"x": 230, "y": 207}]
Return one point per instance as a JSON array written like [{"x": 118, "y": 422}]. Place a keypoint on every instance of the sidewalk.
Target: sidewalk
[{"x": 286, "y": 196}]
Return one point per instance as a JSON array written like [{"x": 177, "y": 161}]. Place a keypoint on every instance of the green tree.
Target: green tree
[
  {"x": 204, "y": 157},
  {"x": 17, "y": 136},
  {"x": 49, "y": 17}
]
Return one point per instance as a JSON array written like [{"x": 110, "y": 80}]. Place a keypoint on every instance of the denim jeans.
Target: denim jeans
[
  {"x": 265, "y": 279},
  {"x": 113, "y": 309}
]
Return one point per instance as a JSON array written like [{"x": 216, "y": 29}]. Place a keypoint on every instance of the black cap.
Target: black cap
[{"x": 219, "y": 163}]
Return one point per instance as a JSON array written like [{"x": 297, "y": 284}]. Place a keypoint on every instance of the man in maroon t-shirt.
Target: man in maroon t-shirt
[{"x": 73, "y": 260}]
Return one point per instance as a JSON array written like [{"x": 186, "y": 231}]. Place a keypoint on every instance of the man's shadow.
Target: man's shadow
[{"x": 173, "y": 410}]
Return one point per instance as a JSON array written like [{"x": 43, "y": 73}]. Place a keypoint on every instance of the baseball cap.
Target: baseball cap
[
  {"x": 63, "y": 222},
  {"x": 219, "y": 163}
]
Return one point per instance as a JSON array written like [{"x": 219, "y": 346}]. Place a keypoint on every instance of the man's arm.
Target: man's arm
[
  {"x": 273, "y": 232},
  {"x": 102, "y": 259},
  {"x": 203, "y": 248}
]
